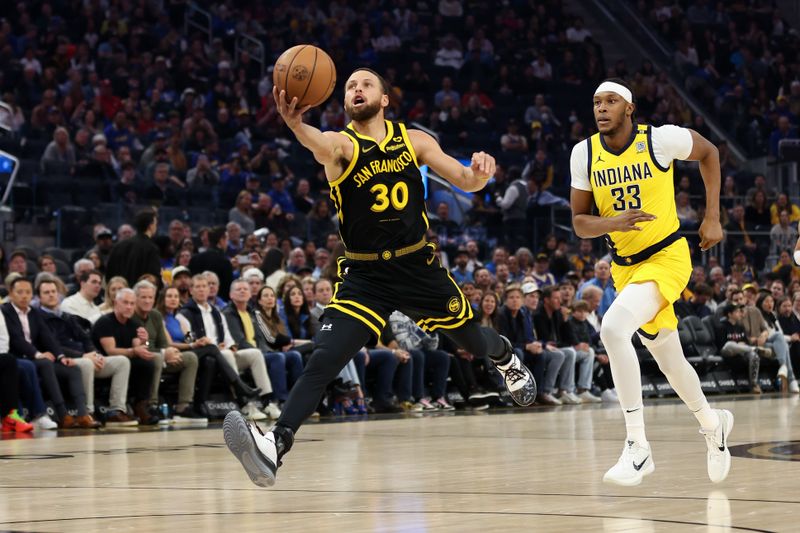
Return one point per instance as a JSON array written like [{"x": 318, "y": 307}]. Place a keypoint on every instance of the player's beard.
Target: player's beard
[{"x": 363, "y": 113}]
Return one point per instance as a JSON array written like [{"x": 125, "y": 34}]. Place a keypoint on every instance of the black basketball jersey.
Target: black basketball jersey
[{"x": 380, "y": 198}]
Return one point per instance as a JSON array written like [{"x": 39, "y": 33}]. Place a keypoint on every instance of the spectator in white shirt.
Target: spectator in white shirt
[
  {"x": 81, "y": 304},
  {"x": 541, "y": 68},
  {"x": 577, "y": 33},
  {"x": 449, "y": 55}
]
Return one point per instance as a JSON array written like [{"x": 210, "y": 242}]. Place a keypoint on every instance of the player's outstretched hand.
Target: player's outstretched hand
[
  {"x": 483, "y": 165},
  {"x": 710, "y": 233},
  {"x": 627, "y": 221},
  {"x": 291, "y": 115}
]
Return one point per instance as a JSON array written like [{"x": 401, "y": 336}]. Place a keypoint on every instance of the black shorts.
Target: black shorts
[{"x": 415, "y": 284}]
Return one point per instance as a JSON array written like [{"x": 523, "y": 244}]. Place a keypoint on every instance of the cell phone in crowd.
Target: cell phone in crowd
[{"x": 243, "y": 259}]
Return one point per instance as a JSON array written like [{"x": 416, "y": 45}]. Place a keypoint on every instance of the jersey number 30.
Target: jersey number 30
[
  {"x": 619, "y": 193},
  {"x": 397, "y": 198}
]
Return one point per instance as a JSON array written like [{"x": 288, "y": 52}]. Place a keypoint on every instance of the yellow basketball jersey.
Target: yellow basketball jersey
[{"x": 633, "y": 179}]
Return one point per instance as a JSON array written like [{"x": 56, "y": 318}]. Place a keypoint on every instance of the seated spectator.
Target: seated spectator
[
  {"x": 783, "y": 235},
  {"x": 77, "y": 345},
  {"x": 516, "y": 325},
  {"x": 235, "y": 241},
  {"x": 242, "y": 214},
  {"x": 776, "y": 340},
  {"x": 207, "y": 322},
  {"x": 255, "y": 279},
  {"x": 213, "y": 291},
  {"x": 697, "y": 305},
  {"x": 166, "y": 357},
  {"x": 585, "y": 256},
  {"x": 120, "y": 333},
  {"x": 59, "y": 154},
  {"x": 435, "y": 363},
  {"x": 202, "y": 174},
  {"x": 686, "y": 213},
  {"x": 31, "y": 338},
  {"x": 567, "y": 290},
  {"x": 214, "y": 259},
  {"x": 602, "y": 280},
  {"x": 81, "y": 304},
  {"x": 552, "y": 329},
  {"x": 280, "y": 196},
  {"x": 790, "y": 325},
  {"x": 112, "y": 287},
  {"x": 298, "y": 319},
  {"x": 165, "y": 189},
  {"x": 781, "y": 203},
  {"x": 757, "y": 212},
  {"x": 459, "y": 272},
  {"x": 541, "y": 271},
  {"x": 179, "y": 336},
  {"x": 247, "y": 334},
  {"x": 732, "y": 342},
  {"x": 583, "y": 332},
  {"x": 18, "y": 262},
  {"x": 320, "y": 223},
  {"x": 9, "y": 393}
]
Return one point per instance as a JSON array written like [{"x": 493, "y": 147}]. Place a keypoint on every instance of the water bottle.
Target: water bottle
[{"x": 163, "y": 410}]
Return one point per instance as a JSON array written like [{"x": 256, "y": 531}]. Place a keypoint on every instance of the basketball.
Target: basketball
[{"x": 306, "y": 72}]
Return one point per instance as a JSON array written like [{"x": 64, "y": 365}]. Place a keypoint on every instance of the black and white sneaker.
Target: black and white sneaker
[
  {"x": 519, "y": 380},
  {"x": 254, "y": 449}
]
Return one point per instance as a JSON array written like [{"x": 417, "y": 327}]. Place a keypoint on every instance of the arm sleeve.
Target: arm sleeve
[
  {"x": 671, "y": 142},
  {"x": 509, "y": 198},
  {"x": 578, "y": 167}
]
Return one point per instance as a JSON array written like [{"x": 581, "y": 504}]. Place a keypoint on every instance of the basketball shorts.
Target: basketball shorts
[
  {"x": 416, "y": 285},
  {"x": 670, "y": 269}
]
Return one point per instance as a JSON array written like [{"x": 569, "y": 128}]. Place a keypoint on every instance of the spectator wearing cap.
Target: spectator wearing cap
[
  {"x": 82, "y": 303},
  {"x": 214, "y": 259},
  {"x": 18, "y": 262},
  {"x": 459, "y": 272},
  {"x": 541, "y": 271},
  {"x": 241, "y": 213},
  {"x": 202, "y": 173},
  {"x": 133, "y": 257},
  {"x": 602, "y": 280},
  {"x": 280, "y": 196},
  {"x": 182, "y": 280},
  {"x": 59, "y": 154},
  {"x": 103, "y": 242},
  {"x": 732, "y": 342}
]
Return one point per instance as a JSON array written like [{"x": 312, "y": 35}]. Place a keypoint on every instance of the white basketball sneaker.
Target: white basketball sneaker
[
  {"x": 719, "y": 456},
  {"x": 635, "y": 462}
]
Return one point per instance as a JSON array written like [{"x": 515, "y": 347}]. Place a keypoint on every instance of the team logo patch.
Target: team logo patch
[
  {"x": 454, "y": 305},
  {"x": 300, "y": 72},
  {"x": 386, "y": 255},
  {"x": 640, "y": 147},
  {"x": 398, "y": 139}
]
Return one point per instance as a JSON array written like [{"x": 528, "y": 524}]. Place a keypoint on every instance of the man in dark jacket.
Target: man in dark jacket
[
  {"x": 515, "y": 323},
  {"x": 214, "y": 259},
  {"x": 552, "y": 330},
  {"x": 31, "y": 338},
  {"x": 77, "y": 345},
  {"x": 139, "y": 255},
  {"x": 731, "y": 340}
]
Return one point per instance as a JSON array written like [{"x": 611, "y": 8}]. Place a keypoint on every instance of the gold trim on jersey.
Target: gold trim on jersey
[
  {"x": 386, "y": 254},
  {"x": 352, "y": 163},
  {"x": 384, "y": 142},
  {"x": 337, "y": 202},
  {"x": 354, "y": 309},
  {"x": 410, "y": 146}
]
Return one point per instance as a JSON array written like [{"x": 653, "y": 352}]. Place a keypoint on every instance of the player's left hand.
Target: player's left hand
[
  {"x": 710, "y": 233},
  {"x": 483, "y": 165}
]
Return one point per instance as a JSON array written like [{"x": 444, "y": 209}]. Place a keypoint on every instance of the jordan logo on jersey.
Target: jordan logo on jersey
[{"x": 612, "y": 176}]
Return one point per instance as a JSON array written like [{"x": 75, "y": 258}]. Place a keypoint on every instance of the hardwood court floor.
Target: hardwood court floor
[{"x": 521, "y": 470}]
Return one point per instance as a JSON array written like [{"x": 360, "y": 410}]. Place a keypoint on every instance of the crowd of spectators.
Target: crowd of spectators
[
  {"x": 128, "y": 109},
  {"x": 740, "y": 60}
]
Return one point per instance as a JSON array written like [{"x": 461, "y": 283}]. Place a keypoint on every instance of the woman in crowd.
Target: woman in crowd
[
  {"x": 209, "y": 357},
  {"x": 777, "y": 341},
  {"x": 284, "y": 362},
  {"x": 299, "y": 322},
  {"x": 114, "y": 284},
  {"x": 242, "y": 212}
]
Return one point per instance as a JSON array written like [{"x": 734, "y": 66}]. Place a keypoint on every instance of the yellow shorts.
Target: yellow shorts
[{"x": 670, "y": 269}]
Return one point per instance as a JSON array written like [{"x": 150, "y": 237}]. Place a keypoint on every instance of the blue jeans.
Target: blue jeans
[
  {"x": 406, "y": 381},
  {"x": 29, "y": 392},
  {"x": 284, "y": 368},
  {"x": 545, "y": 368},
  {"x": 383, "y": 364},
  {"x": 778, "y": 343}
]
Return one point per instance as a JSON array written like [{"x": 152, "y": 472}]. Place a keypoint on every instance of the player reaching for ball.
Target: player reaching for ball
[
  {"x": 372, "y": 168},
  {"x": 626, "y": 171}
]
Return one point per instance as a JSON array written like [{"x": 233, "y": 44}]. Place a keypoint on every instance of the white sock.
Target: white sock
[
  {"x": 668, "y": 353},
  {"x": 636, "y": 305}
]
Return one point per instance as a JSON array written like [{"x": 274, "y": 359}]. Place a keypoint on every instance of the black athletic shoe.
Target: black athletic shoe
[
  {"x": 254, "y": 449},
  {"x": 519, "y": 380}
]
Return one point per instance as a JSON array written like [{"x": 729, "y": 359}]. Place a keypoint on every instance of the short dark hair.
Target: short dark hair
[
  {"x": 19, "y": 280},
  {"x": 43, "y": 282},
  {"x": 215, "y": 234},
  {"x": 84, "y": 277},
  {"x": 701, "y": 289},
  {"x": 548, "y": 291},
  {"x": 144, "y": 219},
  {"x": 387, "y": 89}
]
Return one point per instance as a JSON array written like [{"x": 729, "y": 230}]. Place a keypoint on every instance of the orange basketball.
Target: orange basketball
[{"x": 306, "y": 72}]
